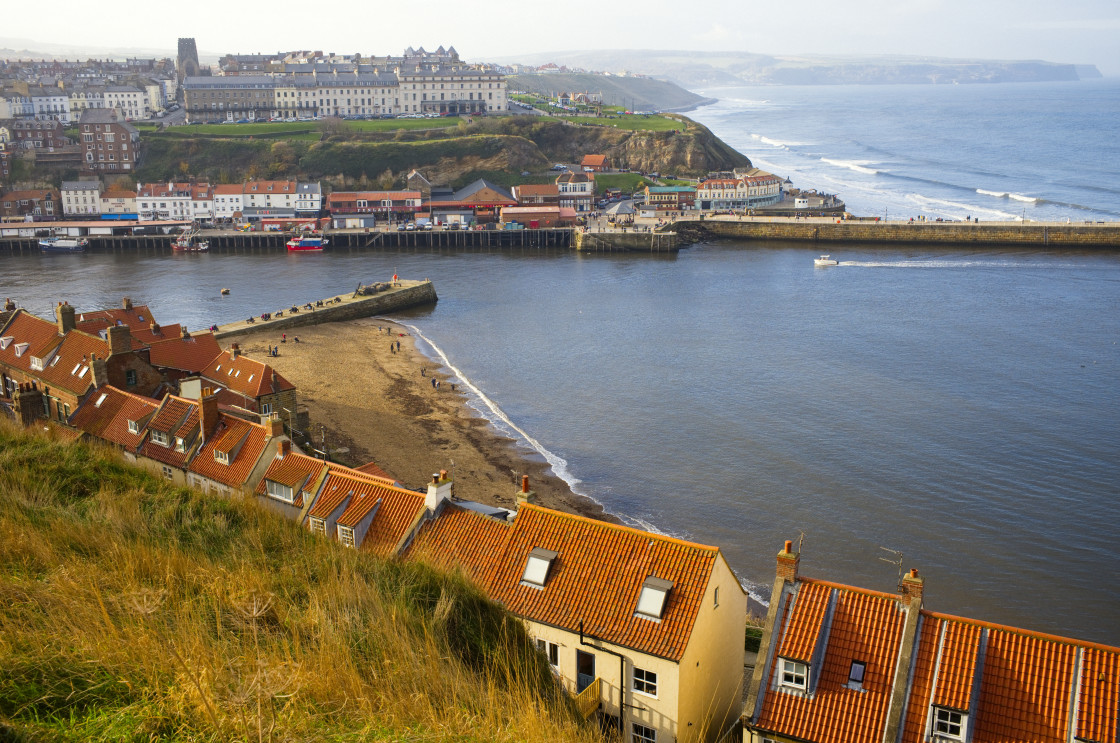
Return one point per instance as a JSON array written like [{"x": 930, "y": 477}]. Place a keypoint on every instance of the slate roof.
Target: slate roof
[{"x": 596, "y": 577}]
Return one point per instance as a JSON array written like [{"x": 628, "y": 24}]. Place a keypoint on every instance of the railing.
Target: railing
[{"x": 588, "y": 700}]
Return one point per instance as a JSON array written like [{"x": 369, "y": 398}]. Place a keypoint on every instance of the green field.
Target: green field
[
  {"x": 318, "y": 127},
  {"x": 627, "y": 182},
  {"x": 632, "y": 123}
]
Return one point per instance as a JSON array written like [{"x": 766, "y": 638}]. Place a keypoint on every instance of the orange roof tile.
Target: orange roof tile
[
  {"x": 244, "y": 375},
  {"x": 137, "y": 318},
  {"x": 596, "y": 578},
  {"x": 957, "y": 668},
  {"x": 594, "y": 161},
  {"x": 107, "y": 418},
  {"x": 865, "y": 627},
  {"x": 192, "y": 354},
  {"x": 243, "y": 444},
  {"x": 26, "y": 336},
  {"x": 178, "y": 418},
  {"x": 69, "y": 369},
  {"x": 921, "y": 681},
  {"x": 370, "y": 468},
  {"x": 225, "y": 189},
  {"x": 804, "y": 625},
  {"x": 1097, "y": 709},
  {"x": 360, "y": 493},
  {"x": 297, "y": 471}
]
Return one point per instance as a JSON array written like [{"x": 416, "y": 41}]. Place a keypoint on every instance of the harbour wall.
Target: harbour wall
[
  {"x": 935, "y": 233},
  {"x": 644, "y": 242},
  {"x": 348, "y": 306}
]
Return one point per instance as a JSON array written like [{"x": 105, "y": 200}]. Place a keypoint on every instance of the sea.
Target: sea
[{"x": 954, "y": 410}]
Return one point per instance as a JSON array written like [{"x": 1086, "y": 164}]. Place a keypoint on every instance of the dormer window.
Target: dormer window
[
  {"x": 180, "y": 445},
  {"x": 651, "y": 601},
  {"x": 855, "y": 675},
  {"x": 21, "y": 349},
  {"x": 346, "y": 535},
  {"x": 161, "y": 438},
  {"x": 537, "y": 567},
  {"x": 133, "y": 427},
  {"x": 221, "y": 457},
  {"x": 948, "y": 724},
  {"x": 5, "y": 342},
  {"x": 794, "y": 674},
  {"x": 279, "y": 491}
]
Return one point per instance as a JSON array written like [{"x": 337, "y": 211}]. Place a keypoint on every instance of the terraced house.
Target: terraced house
[
  {"x": 647, "y": 630},
  {"x": 840, "y": 664}
]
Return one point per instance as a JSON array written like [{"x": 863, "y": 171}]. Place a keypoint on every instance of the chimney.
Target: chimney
[
  {"x": 911, "y": 588},
  {"x": 9, "y": 305},
  {"x": 64, "y": 313},
  {"x": 126, "y": 303},
  {"x": 788, "y": 562},
  {"x": 120, "y": 340},
  {"x": 283, "y": 448},
  {"x": 524, "y": 495},
  {"x": 235, "y": 350},
  {"x": 439, "y": 489},
  {"x": 99, "y": 371},
  {"x": 207, "y": 416},
  {"x": 183, "y": 332},
  {"x": 274, "y": 425},
  {"x": 28, "y": 403},
  {"x": 154, "y": 327}
]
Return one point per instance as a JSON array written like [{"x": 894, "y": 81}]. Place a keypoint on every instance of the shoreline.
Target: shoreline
[{"x": 379, "y": 406}]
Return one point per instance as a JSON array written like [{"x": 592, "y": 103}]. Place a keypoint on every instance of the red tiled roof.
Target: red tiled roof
[
  {"x": 865, "y": 627},
  {"x": 596, "y": 578},
  {"x": 138, "y": 318},
  {"x": 804, "y": 626},
  {"x": 244, "y": 375},
  {"x": 177, "y": 417},
  {"x": 537, "y": 189},
  {"x": 142, "y": 336},
  {"x": 242, "y": 441},
  {"x": 267, "y": 187},
  {"x": 105, "y": 415},
  {"x": 295, "y": 470},
  {"x": 360, "y": 493},
  {"x": 371, "y": 468},
  {"x": 959, "y": 651},
  {"x": 191, "y": 354},
  {"x": 1100, "y": 688},
  {"x": 39, "y": 335},
  {"x": 227, "y": 189},
  {"x": 69, "y": 369},
  {"x": 594, "y": 161}
]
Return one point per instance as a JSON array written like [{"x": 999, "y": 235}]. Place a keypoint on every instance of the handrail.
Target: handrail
[{"x": 588, "y": 700}]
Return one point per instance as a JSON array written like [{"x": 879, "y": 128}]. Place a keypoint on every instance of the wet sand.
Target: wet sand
[{"x": 377, "y": 404}]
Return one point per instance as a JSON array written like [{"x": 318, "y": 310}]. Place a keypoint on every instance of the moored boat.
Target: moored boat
[
  {"x": 190, "y": 242},
  {"x": 63, "y": 244},
  {"x": 825, "y": 260},
  {"x": 307, "y": 243}
]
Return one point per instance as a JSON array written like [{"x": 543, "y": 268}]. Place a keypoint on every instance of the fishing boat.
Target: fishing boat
[
  {"x": 307, "y": 243},
  {"x": 825, "y": 260},
  {"x": 190, "y": 242},
  {"x": 55, "y": 244}
]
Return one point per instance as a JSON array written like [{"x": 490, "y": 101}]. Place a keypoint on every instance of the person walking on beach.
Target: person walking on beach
[
  {"x": 422, "y": 371},
  {"x": 433, "y": 383},
  {"x": 437, "y": 384}
]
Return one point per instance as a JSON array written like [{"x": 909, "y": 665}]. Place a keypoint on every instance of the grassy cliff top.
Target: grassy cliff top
[{"x": 134, "y": 610}]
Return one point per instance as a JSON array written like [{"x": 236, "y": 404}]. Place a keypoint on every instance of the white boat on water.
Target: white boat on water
[
  {"x": 825, "y": 260},
  {"x": 56, "y": 244}
]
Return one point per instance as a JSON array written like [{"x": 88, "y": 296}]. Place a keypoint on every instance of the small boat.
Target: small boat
[
  {"x": 57, "y": 244},
  {"x": 825, "y": 260},
  {"x": 190, "y": 242},
  {"x": 307, "y": 243},
  {"x": 225, "y": 291}
]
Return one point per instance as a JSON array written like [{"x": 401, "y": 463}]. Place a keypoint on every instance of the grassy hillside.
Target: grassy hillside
[
  {"x": 633, "y": 93},
  {"x": 131, "y": 610}
]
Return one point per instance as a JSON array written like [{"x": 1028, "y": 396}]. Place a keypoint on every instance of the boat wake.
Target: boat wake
[{"x": 936, "y": 263}]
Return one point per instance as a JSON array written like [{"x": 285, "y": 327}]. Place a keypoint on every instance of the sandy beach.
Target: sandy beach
[{"x": 377, "y": 404}]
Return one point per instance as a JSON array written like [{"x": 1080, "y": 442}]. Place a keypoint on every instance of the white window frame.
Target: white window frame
[
  {"x": 644, "y": 682},
  {"x": 653, "y": 598},
  {"x": 161, "y": 438},
  {"x": 943, "y": 720},
  {"x": 133, "y": 427},
  {"x": 550, "y": 650},
  {"x": 793, "y": 674},
  {"x": 641, "y": 734},
  {"x": 317, "y": 526},
  {"x": 346, "y": 535},
  {"x": 537, "y": 567},
  {"x": 280, "y": 491},
  {"x": 168, "y": 472}
]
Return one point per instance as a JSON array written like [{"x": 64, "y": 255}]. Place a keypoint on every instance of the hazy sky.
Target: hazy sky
[{"x": 1079, "y": 31}]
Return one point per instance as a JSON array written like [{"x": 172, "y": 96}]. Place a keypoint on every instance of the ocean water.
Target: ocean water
[
  {"x": 1038, "y": 151},
  {"x": 957, "y": 406}
]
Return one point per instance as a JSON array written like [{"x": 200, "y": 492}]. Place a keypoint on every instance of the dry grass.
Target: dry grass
[{"x": 131, "y": 610}]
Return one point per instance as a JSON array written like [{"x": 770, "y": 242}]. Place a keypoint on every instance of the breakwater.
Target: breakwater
[
  {"x": 364, "y": 302},
  {"x": 1049, "y": 235}
]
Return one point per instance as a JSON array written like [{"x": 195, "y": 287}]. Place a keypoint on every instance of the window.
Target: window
[
  {"x": 794, "y": 674},
  {"x": 161, "y": 438},
  {"x": 715, "y": 598},
  {"x": 537, "y": 567},
  {"x": 645, "y": 682},
  {"x": 855, "y": 675},
  {"x": 948, "y": 724},
  {"x": 130, "y": 377},
  {"x": 318, "y": 526},
  {"x": 133, "y": 427},
  {"x": 551, "y": 651},
  {"x": 167, "y": 472},
  {"x": 278, "y": 491},
  {"x": 222, "y": 457},
  {"x": 651, "y": 601},
  {"x": 642, "y": 734},
  {"x": 346, "y": 536},
  {"x": 180, "y": 445}
]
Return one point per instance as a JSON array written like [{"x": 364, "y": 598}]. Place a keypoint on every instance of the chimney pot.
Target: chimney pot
[
  {"x": 283, "y": 448},
  {"x": 789, "y": 545},
  {"x": 435, "y": 478},
  {"x": 443, "y": 474},
  {"x": 126, "y": 303},
  {"x": 524, "y": 483}
]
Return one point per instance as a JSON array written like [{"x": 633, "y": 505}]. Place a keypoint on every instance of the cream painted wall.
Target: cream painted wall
[{"x": 711, "y": 671}]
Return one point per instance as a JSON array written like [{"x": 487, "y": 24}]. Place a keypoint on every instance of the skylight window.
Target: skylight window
[
  {"x": 100, "y": 400},
  {"x": 537, "y": 567},
  {"x": 651, "y": 601},
  {"x": 855, "y": 675},
  {"x": 5, "y": 341},
  {"x": 82, "y": 372}
]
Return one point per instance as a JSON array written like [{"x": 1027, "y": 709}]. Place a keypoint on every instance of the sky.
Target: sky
[{"x": 1075, "y": 31}]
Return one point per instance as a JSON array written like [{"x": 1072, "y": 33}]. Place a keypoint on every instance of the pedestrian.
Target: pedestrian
[
  {"x": 283, "y": 337},
  {"x": 391, "y": 349},
  {"x": 269, "y": 349},
  {"x": 452, "y": 386},
  {"x": 422, "y": 371},
  {"x": 433, "y": 383},
  {"x": 296, "y": 339},
  {"x": 437, "y": 384}
]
